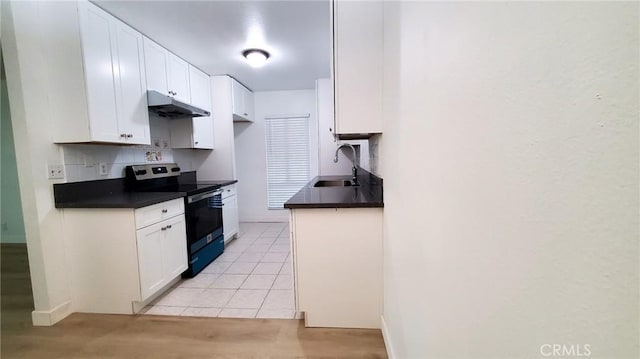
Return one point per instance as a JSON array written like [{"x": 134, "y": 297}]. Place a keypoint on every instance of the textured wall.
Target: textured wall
[{"x": 510, "y": 158}]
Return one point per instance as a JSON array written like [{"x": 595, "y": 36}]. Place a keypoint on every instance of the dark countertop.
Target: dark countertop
[
  {"x": 368, "y": 194},
  {"x": 122, "y": 200},
  {"x": 220, "y": 183},
  {"x": 117, "y": 193}
]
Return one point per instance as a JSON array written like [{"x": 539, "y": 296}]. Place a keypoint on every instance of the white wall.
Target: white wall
[
  {"x": 250, "y": 150},
  {"x": 30, "y": 112},
  {"x": 510, "y": 159}
]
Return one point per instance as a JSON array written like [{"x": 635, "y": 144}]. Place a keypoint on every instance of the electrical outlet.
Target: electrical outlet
[
  {"x": 55, "y": 172},
  {"x": 103, "y": 169}
]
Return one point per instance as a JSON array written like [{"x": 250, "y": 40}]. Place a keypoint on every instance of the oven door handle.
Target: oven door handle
[{"x": 201, "y": 196}]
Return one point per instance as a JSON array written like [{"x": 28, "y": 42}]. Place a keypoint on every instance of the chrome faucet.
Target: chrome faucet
[{"x": 354, "y": 169}]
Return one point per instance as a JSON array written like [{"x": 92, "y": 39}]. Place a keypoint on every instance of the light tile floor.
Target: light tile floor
[{"x": 251, "y": 279}]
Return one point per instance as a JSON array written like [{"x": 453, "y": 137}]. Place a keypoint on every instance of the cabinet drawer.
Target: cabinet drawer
[
  {"x": 228, "y": 191},
  {"x": 152, "y": 214}
]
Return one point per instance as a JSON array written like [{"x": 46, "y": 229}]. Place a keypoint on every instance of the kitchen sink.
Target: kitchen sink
[{"x": 336, "y": 183}]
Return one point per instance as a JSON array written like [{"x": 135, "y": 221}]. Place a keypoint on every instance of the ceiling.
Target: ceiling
[{"x": 211, "y": 35}]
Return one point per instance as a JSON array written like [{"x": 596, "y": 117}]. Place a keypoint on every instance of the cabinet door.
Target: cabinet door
[
  {"x": 358, "y": 35},
  {"x": 155, "y": 59},
  {"x": 97, "y": 42},
  {"x": 247, "y": 101},
  {"x": 133, "y": 113},
  {"x": 237, "y": 95},
  {"x": 174, "y": 248},
  {"x": 230, "y": 217},
  {"x": 200, "y": 85},
  {"x": 178, "y": 71},
  {"x": 200, "y": 88},
  {"x": 203, "y": 132},
  {"x": 152, "y": 274}
]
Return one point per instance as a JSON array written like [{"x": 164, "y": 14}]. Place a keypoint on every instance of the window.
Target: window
[{"x": 288, "y": 164}]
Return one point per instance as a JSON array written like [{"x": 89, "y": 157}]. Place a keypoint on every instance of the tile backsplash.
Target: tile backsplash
[{"x": 82, "y": 161}]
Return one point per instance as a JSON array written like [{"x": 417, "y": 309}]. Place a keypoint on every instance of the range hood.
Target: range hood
[{"x": 167, "y": 106}]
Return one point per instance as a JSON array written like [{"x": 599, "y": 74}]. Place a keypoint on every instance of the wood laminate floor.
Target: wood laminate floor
[{"x": 122, "y": 336}]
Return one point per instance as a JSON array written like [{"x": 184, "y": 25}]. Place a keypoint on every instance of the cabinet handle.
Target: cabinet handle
[
  {"x": 123, "y": 135},
  {"x": 246, "y": 114},
  {"x": 169, "y": 226},
  {"x": 164, "y": 210},
  {"x": 196, "y": 142},
  {"x": 129, "y": 135},
  {"x": 163, "y": 228}
]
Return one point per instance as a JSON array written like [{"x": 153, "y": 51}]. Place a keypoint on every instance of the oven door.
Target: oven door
[{"x": 204, "y": 219}]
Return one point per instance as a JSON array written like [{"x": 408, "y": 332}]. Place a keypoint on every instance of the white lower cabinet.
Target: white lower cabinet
[
  {"x": 122, "y": 258},
  {"x": 337, "y": 259},
  {"x": 230, "y": 222},
  {"x": 162, "y": 254}
]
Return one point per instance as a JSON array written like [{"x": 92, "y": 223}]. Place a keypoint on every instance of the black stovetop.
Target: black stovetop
[{"x": 186, "y": 182}]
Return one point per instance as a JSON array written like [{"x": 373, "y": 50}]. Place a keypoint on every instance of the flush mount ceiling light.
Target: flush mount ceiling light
[{"x": 255, "y": 57}]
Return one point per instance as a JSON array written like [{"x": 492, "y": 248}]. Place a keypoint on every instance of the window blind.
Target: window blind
[{"x": 288, "y": 163}]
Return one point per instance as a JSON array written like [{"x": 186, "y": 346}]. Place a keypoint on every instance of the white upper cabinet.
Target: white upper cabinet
[
  {"x": 195, "y": 132},
  {"x": 202, "y": 133},
  {"x": 200, "y": 88},
  {"x": 115, "y": 82},
  {"x": 155, "y": 59},
  {"x": 166, "y": 73},
  {"x": 248, "y": 104},
  {"x": 179, "y": 78},
  {"x": 242, "y": 99},
  {"x": 357, "y": 66},
  {"x": 133, "y": 116}
]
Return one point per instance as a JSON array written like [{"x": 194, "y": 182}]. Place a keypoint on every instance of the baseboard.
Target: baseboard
[
  {"x": 50, "y": 317},
  {"x": 387, "y": 339},
  {"x": 137, "y": 307}
]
